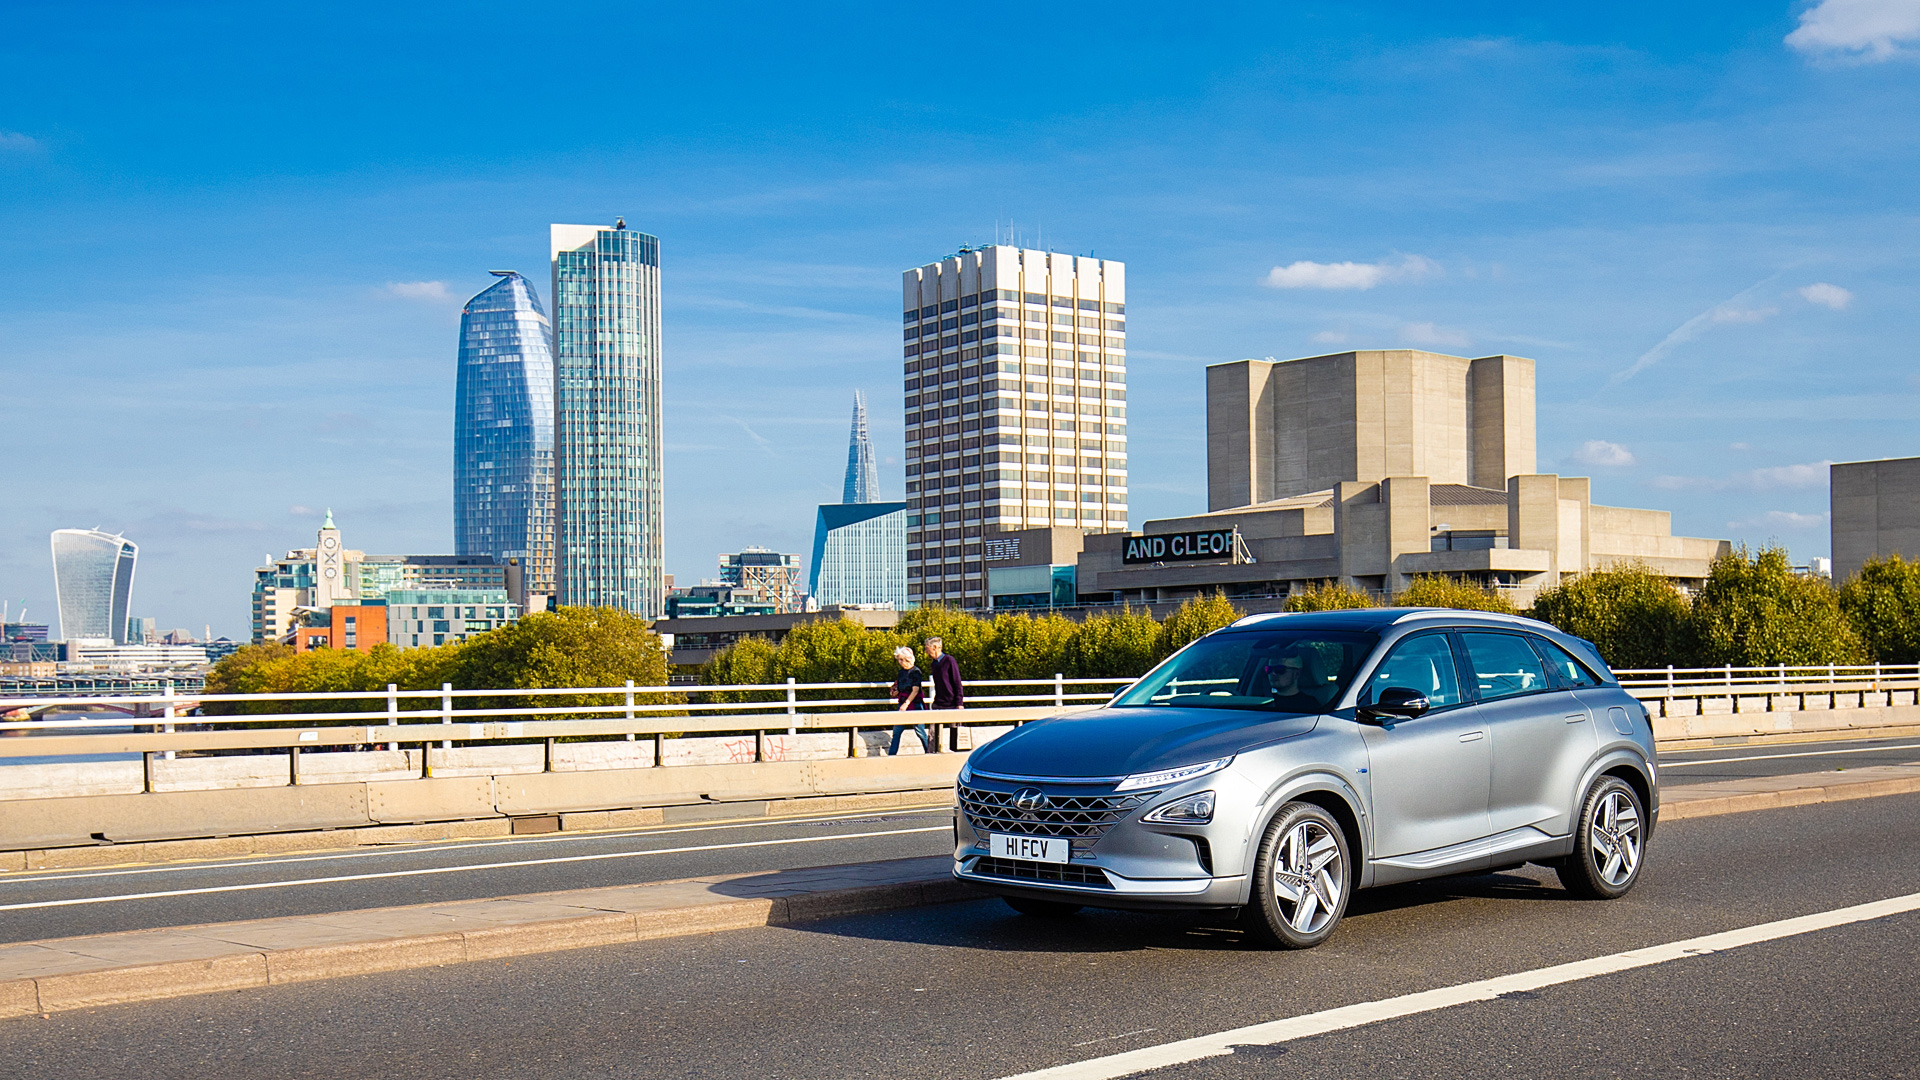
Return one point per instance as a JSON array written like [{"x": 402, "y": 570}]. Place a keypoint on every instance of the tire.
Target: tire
[
  {"x": 1610, "y": 845},
  {"x": 1041, "y": 909},
  {"x": 1302, "y": 877}
]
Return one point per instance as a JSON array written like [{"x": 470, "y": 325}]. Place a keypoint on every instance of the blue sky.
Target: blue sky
[{"x": 236, "y": 239}]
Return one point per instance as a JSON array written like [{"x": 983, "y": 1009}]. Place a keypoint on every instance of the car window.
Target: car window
[
  {"x": 1571, "y": 672},
  {"x": 1423, "y": 663},
  {"x": 1504, "y": 665},
  {"x": 1299, "y": 671}
]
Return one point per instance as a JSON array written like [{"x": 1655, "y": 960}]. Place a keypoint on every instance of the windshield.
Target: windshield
[{"x": 1301, "y": 671}]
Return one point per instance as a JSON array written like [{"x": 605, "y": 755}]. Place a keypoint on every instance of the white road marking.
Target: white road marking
[
  {"x": 1372, "y": 1012},
  {"x": 435, "y": 847},
  {"x": 1772, "y": 757},
  {"x": 555, "y": 860}
]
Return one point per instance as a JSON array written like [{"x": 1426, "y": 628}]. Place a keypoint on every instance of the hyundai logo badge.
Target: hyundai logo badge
[{"x": 1029, "y": 799}]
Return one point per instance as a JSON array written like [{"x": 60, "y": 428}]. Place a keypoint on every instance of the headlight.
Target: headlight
[
  {"x": 1171, "y": 776},
  {"x": 1196, "y": 809},
  {"x": 966, "y": 771}
]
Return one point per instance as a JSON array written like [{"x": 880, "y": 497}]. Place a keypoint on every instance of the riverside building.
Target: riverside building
[
  {"x": 503, "y": 432},
  {"x": 608, "y": 489},
  {"x": 1015, "y": 378}
]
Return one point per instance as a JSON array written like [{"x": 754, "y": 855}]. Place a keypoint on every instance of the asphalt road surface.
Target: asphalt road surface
[
  {"x": 64, "y": 903},
  {"x": 975, "y": 991}
]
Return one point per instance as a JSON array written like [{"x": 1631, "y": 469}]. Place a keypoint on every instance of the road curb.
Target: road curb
[
  {"x": 1773, "y": 800},
  {"x": 248, "y": 969}
]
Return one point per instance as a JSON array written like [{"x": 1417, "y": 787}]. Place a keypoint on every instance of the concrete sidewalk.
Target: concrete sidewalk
[{"x": 108, "y": 969}]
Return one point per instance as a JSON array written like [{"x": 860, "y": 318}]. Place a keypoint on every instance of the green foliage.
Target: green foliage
[
  {"x": 1438, "y": 590},
  {"x": 1634, "y": 615},
  {"x": 1329, "y": 596},
  {"x": 1112, "y": 645},
  {"x": 569, "y": 647},
  {"x": 1754, "y": 611},
  {"x": 1196, "y": 619},
  {"x": 1882, "y": 604},
  {"x": 1029, "y": 646}
]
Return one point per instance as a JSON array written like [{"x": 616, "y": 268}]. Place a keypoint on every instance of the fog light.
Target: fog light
[{"x": 1195, "y": 809}]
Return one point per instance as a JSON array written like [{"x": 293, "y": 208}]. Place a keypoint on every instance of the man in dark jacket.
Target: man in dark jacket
[{"x": 944, "y": 674}]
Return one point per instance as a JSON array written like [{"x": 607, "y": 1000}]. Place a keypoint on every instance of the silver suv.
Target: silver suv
[{"x": 1279, "y": 764}]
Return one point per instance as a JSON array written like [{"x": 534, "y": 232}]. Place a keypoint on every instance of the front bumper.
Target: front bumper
[{"x": 1097, "y": 886}]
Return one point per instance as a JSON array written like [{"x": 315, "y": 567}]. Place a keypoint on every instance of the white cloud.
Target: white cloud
[
  {"x": 1813, "y": 474},
  {"x": 1866, "y": 30},
  {"x": 1426, "y": 333},
  {"x": 1350, "y": 275},
  {"x": 1743, "y": 315},
  {"x": 13, "y": 140},
  {"x": 1832, "y": 296},
  {"x": 419, "y": 290},
  {"x": 1331, "y": 337},
  {"x": 1604, "y": 453},
  {"x": 302, "y": 511},
  {"x": 1781, "y": 519}
]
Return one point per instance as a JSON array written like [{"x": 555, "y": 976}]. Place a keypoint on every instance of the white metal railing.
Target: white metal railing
[{"x": 446, "y": 714}]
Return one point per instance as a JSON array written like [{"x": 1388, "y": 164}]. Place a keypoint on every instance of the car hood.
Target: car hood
[{"x": 1116, "y": 742}]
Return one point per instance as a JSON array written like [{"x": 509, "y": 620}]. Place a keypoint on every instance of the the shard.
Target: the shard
[
  {"x": 863, "y": 477},
  {"x": 503, "y": 431}
]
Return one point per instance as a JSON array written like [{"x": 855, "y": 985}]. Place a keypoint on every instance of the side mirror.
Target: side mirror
[{"x": 1396, "y": 703}]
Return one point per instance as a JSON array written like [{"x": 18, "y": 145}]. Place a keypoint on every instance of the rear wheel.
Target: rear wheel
[
  {"x": 1044, "y": 909},
  {"x": 1610, "y": 846},
  {"x": 1301, "y": 879}
]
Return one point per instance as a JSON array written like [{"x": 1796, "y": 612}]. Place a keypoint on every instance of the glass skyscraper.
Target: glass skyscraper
[
  {"x": 608, "y": 491},
  {"x": 503, "y": 431},
  {"x": 860, "y": 543},
  {"x": 93, "y": 584}
]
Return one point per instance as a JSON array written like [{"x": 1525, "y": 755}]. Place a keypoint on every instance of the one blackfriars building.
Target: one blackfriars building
[
  {"x": 503, "y": 432},
  {"x": 93, "y": 584},
  {"x": 1016, "y": 370},
  {"x": 608, "y": 487}
]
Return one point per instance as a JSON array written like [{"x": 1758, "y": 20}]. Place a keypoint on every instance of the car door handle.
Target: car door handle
[
  {"x": 1574, "y": 718},
  {"x": 1473, "y": 736}
]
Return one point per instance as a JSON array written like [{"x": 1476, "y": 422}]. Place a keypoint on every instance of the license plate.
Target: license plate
[{"x": 1054, "y": 849}]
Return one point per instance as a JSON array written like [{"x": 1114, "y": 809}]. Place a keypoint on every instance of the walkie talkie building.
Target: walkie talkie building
[
  {"x": 93, "y": 584},
  {"x": 503, "y": 431}
]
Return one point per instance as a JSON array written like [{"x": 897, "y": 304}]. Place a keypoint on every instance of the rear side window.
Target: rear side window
[
  {"x": 1423, "y": 663},
  {"x": 1570, "y": 671},
  {"x": 1504, "y": 665}
]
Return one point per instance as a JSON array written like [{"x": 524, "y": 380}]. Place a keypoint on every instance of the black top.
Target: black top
[{"x": 909, "y": 681}]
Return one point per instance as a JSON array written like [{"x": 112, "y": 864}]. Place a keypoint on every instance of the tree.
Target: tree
[
  {"x": 1754, "y": 611},
  {"x": 1029, "y": 646},
  {"x": 1882, "y": 604},
  {"x": 1440, "y": 591},
  {"x": 1112, "y": 645},
  {"x": 1633, "y": 615},
  {"x": 1196, "y": 619},
  {"x": 574, "y": 646},
  {"x": 1328, "y": 596}
]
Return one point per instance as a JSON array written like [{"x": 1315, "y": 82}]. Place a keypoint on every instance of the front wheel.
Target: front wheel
[
  {"x": 1610, "y": 845},
  {"x": 1301, "y": 878}
]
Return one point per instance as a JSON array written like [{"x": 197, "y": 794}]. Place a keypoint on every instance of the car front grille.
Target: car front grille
[
  {"x": 1053, "y": 873},
  {"x": 1078, "y": 817}
]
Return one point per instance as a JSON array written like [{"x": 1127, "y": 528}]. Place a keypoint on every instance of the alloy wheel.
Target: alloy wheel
[
  {"x": 1614, "y": 834},
  {"x": 1306, "y": 877}
]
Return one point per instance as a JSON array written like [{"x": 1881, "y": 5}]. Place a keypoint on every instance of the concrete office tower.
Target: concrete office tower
[
  {"x": 93, "y": 584},
  {"x": 503, "y": 431},
  {"x": 863, "y": 476},
  {"x": 1277, "y": 430},
  {"x": 1016, "y": 372},
  {"x": 608, "y": 489},
  {"x": 1875, "y": 512}
]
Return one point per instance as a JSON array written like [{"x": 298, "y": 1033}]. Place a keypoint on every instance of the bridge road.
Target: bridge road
[
  {"x": 65, "y": 903},
  {"x": 974, "y": 991}
]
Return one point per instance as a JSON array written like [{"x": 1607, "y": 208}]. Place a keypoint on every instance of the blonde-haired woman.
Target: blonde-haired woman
[{"x": 907, "y": 691}]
